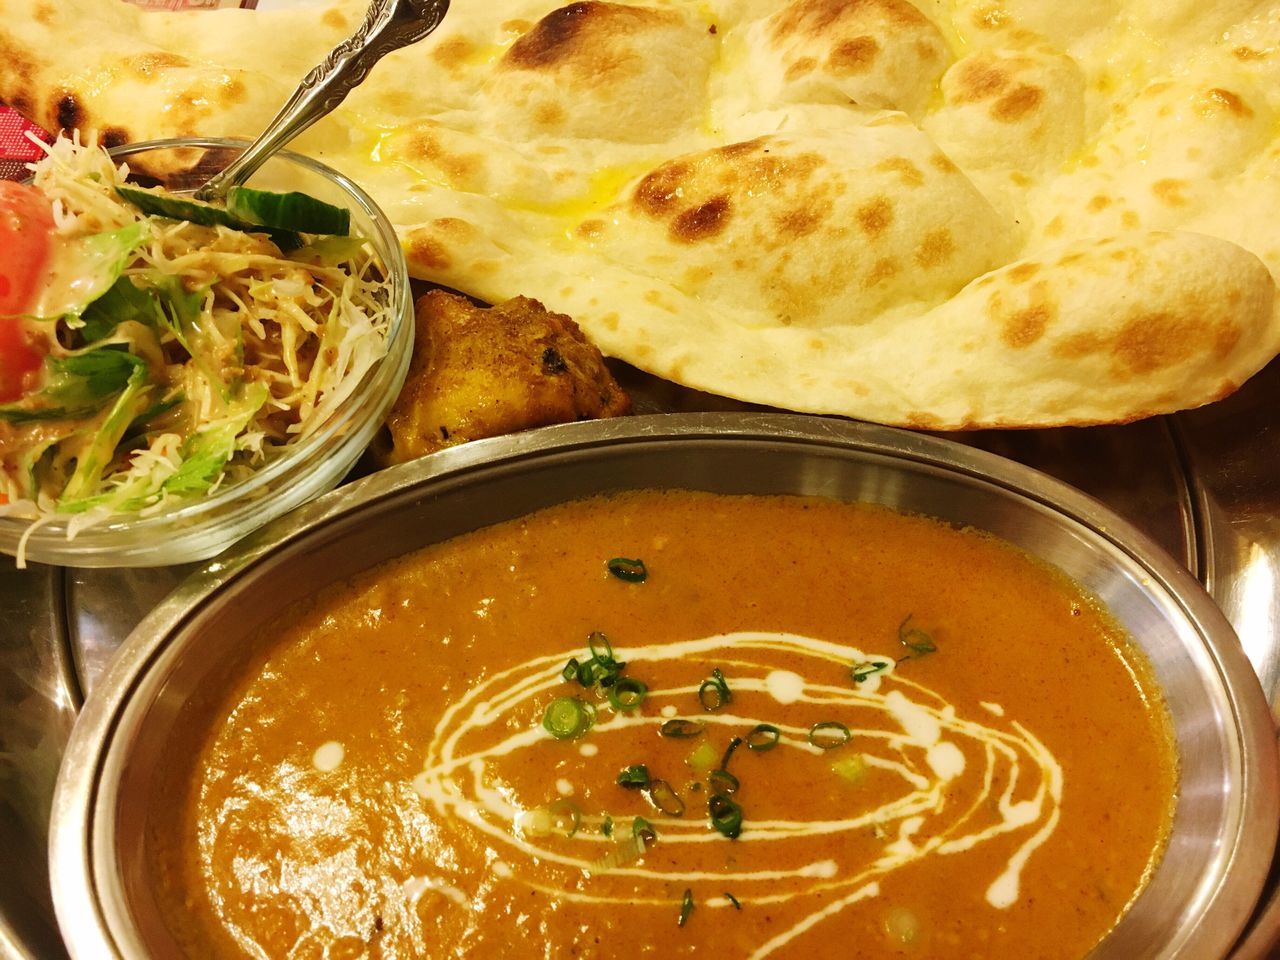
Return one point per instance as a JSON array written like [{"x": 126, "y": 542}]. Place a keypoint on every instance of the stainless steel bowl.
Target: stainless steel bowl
[{"x": 174, "y": 667}]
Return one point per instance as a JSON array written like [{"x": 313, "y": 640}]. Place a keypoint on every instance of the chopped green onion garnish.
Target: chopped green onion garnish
[
  {"x": 867, "y": 668},
  {"x": 686, "y": 908},
  {"x": 681, "y": 729},
  {"x": 732, "y": 899},
  {"x": 915, "y": 639},
  {"x": 606, "y": 827},
  {"x": 565, "y": 817},
  {"x": 561, "y": 818},
  {"x": 763, "y": 736},
  {"x": 600, "y": 647},
  {"x": 632, "y": 571},
  {"x": 722, "y": 781},
  {"x": 570, "y": 671},
  {"x": 642, "y": 830},
  {"x": 829, "y": 734},
  {"x": 664, "y": 798},
  {"x": 627, "y": 694},
  {"x": 634, "y": 777},
  {"x": 714, "y": 693},
  {"x": 725, "y": 814},
  {"x": 567, "y": 718},
  {"x": 728, "y": 753}
]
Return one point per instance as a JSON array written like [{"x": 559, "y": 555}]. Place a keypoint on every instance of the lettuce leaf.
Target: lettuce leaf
[
  {"x": 165, "y": 304},
  {"x": 77, "y": 385},
  {"x": 84, "y": 269},
  {"x": 101, "y": 449},
  {"x": 207, "y": 451}
]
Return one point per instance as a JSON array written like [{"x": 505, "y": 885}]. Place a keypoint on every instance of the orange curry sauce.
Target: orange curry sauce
[{"x": 380, "y": 783}]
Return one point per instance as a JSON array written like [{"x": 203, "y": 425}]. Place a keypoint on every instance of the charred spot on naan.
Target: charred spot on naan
[
  {"x": 1076, "y": 310},
  {"x": 876, "y": 53},
  {"x": 593, "y": 69},
  {"x": 818, "y": 231},
  {"x": 68, "y": 114},
  {"x": 1194, "y": 129},
  {"x": 19, "y": 72},
  {"x": 1022, "y": 325},
  {"x": 1024, "y": 110},
  {"x": 1146, "y": 343}
]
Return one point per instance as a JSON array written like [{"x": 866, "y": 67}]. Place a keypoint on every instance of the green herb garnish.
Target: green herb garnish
[
  {"x": 686, "y": 908},
  {"x": 732, "y": 899},
  {"x": 627, "y": 694},
  {"x": 632, "y": 571},
  {"x": 914, "y": 639},
  {"x": 642, "y": 831},
  {"x": 565, "y": 817},
  {"x": 728, "y": 753},
  {"x": 763, "y": 736},
  {"x": 602, "y": 650},
  {"x": 601, "y": 669},
  {"x": 725, "y": 814},
  {"x": 664, "y": 798},
  {"x": 606, "y": 826},
  {"x": 635, "y": 777},
  {"x": 714, "y": 693},
  {"x": 561, "y": 818},
  {"x": 567, "y": 718},
  {"x": 680, "y": 729},
  {"x": 867, "y": 668},
  {"x": 829, "y": 734},
  {"x": 722, "y": 781}
]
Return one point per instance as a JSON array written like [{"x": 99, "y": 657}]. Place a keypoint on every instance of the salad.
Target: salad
[{"x": 155, "y": 349}]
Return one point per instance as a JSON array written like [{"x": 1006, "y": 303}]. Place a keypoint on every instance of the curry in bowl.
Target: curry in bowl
[{"x": 676, "y": 723}]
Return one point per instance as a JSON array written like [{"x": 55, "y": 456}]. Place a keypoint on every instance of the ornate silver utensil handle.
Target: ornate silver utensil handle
[{"x": 389, "y": 25}]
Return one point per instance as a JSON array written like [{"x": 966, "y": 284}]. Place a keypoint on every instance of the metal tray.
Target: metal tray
[{"x": 1201, "y": 484}]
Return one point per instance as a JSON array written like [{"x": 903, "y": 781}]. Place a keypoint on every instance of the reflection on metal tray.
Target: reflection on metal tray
[{"x": 1198, "y": 483}]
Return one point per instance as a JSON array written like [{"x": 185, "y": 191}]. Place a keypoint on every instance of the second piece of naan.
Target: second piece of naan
[{"x": 940, "y": 214}]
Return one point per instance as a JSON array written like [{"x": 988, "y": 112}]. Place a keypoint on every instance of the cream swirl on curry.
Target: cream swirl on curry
[{"x": 910, "y": 733}]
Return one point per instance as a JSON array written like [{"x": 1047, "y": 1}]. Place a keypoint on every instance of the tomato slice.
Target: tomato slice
[{"x": 26, "y": 239}]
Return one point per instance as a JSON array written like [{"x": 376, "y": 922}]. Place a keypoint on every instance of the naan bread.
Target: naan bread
[{"x": 953, "y": 214}]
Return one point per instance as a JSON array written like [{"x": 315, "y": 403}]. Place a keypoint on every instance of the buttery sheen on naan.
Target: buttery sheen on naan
[{"x": 946, "y": 214}]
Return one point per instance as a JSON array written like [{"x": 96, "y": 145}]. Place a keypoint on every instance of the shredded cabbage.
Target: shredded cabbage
[{"x": 196, "y": 354}]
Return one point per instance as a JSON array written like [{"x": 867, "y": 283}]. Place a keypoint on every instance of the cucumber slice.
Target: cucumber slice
[
  {"x": 177, "y": 208},
  {"x": 207, "y": 215},
  {"x": 288, "y": 211}
]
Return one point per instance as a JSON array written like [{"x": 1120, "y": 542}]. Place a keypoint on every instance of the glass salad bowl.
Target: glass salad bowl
[{"x": 205, "y": 517}]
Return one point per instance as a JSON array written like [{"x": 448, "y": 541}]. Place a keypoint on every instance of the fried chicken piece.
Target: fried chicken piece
[{"x": 482, "y": 372}]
